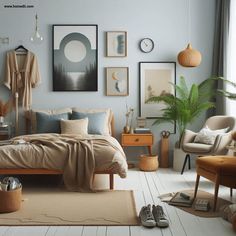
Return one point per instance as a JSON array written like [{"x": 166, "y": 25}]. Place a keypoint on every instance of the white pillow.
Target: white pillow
[
  {"x": 208, "y": 136},
  {"x": 74, "y": 126}
]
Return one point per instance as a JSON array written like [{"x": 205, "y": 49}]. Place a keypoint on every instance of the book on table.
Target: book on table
[
  {"x": 180, "y": 199},
  {"x": 202, "y": 205},
  {"x": 139, "y": 130}
]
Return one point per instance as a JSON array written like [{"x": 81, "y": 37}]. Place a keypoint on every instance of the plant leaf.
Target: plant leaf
[{"x": 227, "y": 94}]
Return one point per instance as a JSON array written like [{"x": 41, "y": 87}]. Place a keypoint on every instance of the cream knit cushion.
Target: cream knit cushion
[
  {"x": 74, "y": 126},
  {"x": 208, "y": 136}
]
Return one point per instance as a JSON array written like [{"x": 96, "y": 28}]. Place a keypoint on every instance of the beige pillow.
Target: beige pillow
[
  {"x": 109, "y": 116},
  {"x": 208, "y": 136},
  {"x": 74, "y": 126},
  {"x": 31, "y": 116}
]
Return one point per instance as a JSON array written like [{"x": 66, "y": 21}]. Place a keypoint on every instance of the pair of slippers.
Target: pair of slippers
[{"x": 228, "y": 212}]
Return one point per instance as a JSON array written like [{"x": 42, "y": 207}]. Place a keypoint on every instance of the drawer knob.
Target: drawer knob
[{"x": 136, "y": 140}]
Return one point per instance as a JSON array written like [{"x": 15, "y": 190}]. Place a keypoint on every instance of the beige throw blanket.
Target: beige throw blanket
[{"x": 80, "y": 158}]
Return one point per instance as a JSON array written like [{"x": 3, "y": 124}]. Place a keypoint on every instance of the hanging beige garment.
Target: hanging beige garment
[{"x": 22, "y": 74}]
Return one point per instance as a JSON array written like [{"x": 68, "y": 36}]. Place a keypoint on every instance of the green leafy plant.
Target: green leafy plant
[
  {"x": 188, "y": 103},
  {"x": 228, "y": 94}
]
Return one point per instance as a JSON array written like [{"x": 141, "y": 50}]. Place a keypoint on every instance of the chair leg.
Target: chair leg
[
  {"x": 196, "y": 186},
  {"x": 231, "y": 192},
  {"x": 185, "y": 161},
  {"x": 216, "y": 192},
  {"x": 189, "y": 162}
]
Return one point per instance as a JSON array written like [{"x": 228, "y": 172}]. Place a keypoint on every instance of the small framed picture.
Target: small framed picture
[
  {"x": 116, "y": 43},
  {"x": 117, "y": 80}
]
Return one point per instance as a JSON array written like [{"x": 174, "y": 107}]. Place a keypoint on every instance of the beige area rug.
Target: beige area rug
[
  {"x": 205, "y": 195},
  {"x": 45, "y": 207}
]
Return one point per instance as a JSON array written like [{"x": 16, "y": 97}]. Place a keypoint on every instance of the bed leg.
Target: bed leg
[
  {"x": 111, "y": 178},
  {"x": 93, "y": 176}
]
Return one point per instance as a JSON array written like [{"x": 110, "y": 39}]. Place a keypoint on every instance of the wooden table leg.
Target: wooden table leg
[
  {"x": 131, "y": 165},
  {"x": 217, "y": 181},
  {"x": 196, "y": 186},
  {"x": 150, "y": 150}
]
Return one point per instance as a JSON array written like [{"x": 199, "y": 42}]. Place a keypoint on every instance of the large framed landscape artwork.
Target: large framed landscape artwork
[
  {"x": 75, "y": 58},
  {"x": 156, "y": 78}
]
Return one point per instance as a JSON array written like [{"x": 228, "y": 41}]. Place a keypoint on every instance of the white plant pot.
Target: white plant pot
[
  {"x": 178, "y": 159},
  {"x": 1, "y": 119}
]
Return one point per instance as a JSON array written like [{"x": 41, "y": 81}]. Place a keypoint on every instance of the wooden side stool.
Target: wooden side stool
[{"x": 219, "y": 169}]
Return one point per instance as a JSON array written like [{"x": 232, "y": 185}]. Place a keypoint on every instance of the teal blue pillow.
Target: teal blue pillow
[
  {"x": 96, "y": 121},
  {"x": 49, "y": 123}
]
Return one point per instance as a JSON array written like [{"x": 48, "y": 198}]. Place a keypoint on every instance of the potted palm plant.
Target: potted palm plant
[{"x": 187, "y": 105}]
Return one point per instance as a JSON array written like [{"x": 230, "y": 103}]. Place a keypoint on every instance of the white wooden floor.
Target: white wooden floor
[{"x": 147, "y": 186}]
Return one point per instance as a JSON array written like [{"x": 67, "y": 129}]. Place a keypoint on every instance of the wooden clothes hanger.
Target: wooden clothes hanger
[{"x": 21, "y": 49}]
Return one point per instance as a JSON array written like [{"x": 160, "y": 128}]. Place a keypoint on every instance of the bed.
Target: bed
[{"x": 60, "y": 153}]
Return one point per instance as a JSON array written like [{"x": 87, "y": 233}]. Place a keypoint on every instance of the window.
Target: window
[{"x": 231, "y": 60}]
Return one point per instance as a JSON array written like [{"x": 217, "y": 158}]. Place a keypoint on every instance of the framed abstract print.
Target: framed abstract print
[
  {"x": 117, "y": 81},
  {"x": 75, "y": 56},
  {"x": 116, "y": 43},
  {"x": 155, "y": 78}
]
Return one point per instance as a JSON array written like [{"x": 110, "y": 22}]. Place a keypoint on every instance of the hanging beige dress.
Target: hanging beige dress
[{"x": 22, "y": 74}]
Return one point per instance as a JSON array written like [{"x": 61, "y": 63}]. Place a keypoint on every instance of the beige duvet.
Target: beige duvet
[{"x": 77, "y": 156}]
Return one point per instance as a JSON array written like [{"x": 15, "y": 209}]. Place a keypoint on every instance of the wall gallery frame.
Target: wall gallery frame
[
  {"x": 117, "y": 81},
  {"x": 116, "y": 43},
  {"x": 155, "y": 78},
  {"x": 75, "y": 56}
]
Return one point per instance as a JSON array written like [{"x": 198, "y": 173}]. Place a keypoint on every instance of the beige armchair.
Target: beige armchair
[{"x": 201, "y": 149}]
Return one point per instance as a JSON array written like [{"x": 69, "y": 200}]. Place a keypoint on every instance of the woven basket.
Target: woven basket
[
  {"x": 10, "y": 200},
  {"x": 148, "y": 163}
]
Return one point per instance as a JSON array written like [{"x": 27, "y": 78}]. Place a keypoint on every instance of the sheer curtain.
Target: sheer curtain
[
  {"x": 231, "y": 59},
  {"x": 220, "y": 46}
]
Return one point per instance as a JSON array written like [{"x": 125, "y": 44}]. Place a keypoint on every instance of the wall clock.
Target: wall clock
[{"x": 146, "y": 45}]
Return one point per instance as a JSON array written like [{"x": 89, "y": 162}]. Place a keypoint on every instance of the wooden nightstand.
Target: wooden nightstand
[
  {"x": 137, "y": 140},
  {"x": 5, "y": 131}
]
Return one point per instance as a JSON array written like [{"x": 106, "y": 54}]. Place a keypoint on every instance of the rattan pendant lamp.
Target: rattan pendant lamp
[{"x": 189, "y": 57}]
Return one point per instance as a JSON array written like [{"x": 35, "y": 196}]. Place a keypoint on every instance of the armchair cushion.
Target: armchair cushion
[
  {"x": 198, "y": 148},
  {"x": 208, "y": 136}
]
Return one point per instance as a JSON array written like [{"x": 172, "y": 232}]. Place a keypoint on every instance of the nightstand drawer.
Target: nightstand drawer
[
  {"x": 4, "y": 136},
  {"x": 5, "y": 131},
  {"x": 137, "y": 140}
]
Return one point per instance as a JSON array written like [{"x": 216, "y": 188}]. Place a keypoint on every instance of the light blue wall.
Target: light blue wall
[{"x": 165, "y": 21}]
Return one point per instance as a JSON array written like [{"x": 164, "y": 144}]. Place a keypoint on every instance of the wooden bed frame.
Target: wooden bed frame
[{"x": 36, "y": 171}]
